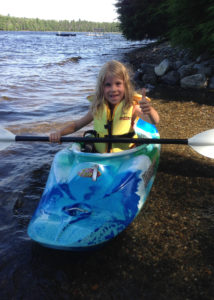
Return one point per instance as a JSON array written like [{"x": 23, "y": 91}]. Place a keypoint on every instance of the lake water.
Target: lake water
[
  {"x": 45, "y": 78},
  {"x": 44, "y": 82}
]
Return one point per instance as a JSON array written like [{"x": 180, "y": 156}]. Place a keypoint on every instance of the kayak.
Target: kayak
[{"x": 90, "y": 198}]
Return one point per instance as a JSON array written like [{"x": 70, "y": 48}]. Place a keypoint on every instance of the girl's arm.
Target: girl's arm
[
  {"x": 74, "y": 126},
  {"x": 145, "y": 111}
]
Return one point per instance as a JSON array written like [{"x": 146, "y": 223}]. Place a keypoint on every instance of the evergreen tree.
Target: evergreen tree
[
  {"x": 14, "y": 24},
  {"x": 192, "y": 24},
  {"x": 186, "y": 23},
  {"x": 140, "y": 19}
]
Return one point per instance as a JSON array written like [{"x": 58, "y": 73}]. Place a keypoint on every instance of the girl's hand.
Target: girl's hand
[
  {"x": 145, "y": 104},
  {"x": 55, "y": 137}
]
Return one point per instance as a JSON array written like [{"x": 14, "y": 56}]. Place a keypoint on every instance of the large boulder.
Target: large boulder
[
  {"x": 149, "y": 78},
  {"x": 147, "y": 68},
  {"x": 211, "y": 83},
  {"x": 171, "y": 78},
  {"x": 187, "y": 70},
  {"x": 162, "y": 68},
  {"x": 203, "y": 69},
  {"x": 196, "y": 81}
]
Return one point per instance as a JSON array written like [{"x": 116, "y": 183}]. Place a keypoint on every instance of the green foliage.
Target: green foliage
[
  {"x": 8, "y": 23},
  {"x": 140, "y": 19},
  {"x": 186, "y": 23},
  {"x": 192, "y": 24}
]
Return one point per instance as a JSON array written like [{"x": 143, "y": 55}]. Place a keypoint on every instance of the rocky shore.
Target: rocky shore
[{"x": 172, "y": 72}]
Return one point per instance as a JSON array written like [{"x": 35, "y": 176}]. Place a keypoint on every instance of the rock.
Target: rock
[
  {"x": 202, "y": 57},
  {"x": 196, "y": 81},
  {"x": 150, "y": 78},
  {"x": 138, "y": 75},
  {"x": 146, "y": 73},
  {"x": 162, "y": 68},
  {"x": 177, "y": 64},
  {"x": 147, "y": 68},
  {"x": 186, "y": 70},
  {"x": 203, "y": 69},
  {"x": 160, "y": 63},
  {"x": 149, "y": 87},
  {"x": 171, "y": 78},
  {"x": 211, "y": 83},
  {"x": 210, "y": 63}
]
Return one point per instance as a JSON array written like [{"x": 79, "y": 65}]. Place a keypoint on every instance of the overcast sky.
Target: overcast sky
[{"x": 89, "y": 10}]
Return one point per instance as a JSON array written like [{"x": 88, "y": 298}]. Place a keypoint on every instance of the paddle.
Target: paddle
[{"x": 202, "y": 143}]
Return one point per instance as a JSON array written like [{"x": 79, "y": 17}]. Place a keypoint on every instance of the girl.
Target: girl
[{"x": 114, "y": 109}]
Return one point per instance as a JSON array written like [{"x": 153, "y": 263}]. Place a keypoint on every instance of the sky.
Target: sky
[{"x": 89, "y": 10}]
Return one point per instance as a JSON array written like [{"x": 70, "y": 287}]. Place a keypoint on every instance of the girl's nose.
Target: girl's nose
[{"x": 113, "y": 87}]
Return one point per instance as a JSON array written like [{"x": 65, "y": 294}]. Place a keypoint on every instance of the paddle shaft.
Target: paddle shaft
[{"x": 102, "y": 140}]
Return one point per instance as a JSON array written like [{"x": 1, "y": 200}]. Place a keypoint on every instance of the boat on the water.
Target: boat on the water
[
  {"x": 91, "y": 197},
  {"x": 65, "y": 34}
]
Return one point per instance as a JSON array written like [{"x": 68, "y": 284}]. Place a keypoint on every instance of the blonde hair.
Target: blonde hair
[{"x": 116, "y": 69}]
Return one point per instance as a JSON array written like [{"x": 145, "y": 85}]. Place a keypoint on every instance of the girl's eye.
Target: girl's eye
[{"x": 107, "y": 84}]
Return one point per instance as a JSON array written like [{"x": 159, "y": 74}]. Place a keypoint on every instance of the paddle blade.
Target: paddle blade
[
  {"x": 6, "y": 137},
  {"x": 203, "y": 143}
]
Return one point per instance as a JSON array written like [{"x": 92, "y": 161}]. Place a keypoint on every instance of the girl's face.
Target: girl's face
[{"x": 114, "y": 90}]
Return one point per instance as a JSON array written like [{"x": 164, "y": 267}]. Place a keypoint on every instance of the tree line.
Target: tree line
[
  {"x": 186, "y": 23},
  {"x": 8, "y": 23}
]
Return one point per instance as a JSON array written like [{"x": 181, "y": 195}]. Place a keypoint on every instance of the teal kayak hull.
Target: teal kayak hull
[{"x": 90, "y": 198}]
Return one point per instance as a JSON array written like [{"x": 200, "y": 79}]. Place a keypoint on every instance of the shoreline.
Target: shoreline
[
  {"x": 173, "y": 234},
  {"x": 155, "y": 53}
]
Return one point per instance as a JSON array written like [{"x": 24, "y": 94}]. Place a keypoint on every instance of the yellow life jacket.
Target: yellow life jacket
[{"x": 114, "y": 123}]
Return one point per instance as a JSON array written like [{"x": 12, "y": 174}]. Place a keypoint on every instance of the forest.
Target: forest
[
  {"x": 185, "y": 23},
  {"x": 8, "y": 23}
]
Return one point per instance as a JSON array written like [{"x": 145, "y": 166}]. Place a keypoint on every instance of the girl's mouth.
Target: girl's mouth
[{"x": 114, "y": 96}]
